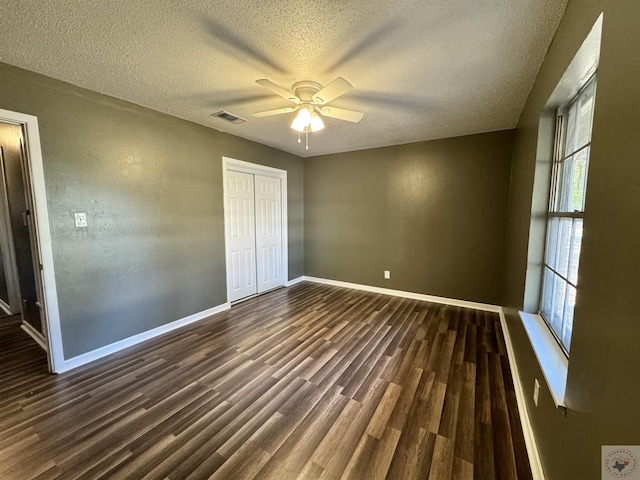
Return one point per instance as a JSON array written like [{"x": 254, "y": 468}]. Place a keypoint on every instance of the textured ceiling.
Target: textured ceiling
[{"x": 420, "y": 69}]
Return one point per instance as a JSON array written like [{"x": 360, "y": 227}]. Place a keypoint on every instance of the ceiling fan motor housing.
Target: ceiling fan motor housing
[{"x": 305, "y": 90}]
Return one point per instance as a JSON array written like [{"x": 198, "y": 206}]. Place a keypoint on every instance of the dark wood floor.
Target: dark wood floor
[{"x": 308, "y": 382}]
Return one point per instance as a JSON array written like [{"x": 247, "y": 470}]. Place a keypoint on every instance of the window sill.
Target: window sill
[{"x": 552, "y": 360}]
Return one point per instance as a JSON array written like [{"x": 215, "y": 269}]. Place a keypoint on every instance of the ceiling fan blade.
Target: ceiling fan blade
[
  {"x": 342, "y": 114},
  {"x": 277, "y": 111},
  {"x": 336, "y": 88},
  {"x": 263, "y": 82}
]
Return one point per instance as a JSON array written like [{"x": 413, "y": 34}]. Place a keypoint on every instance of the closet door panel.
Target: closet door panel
[
  {"x": 268, "y": 211},
  {"x": 241, "y": 238}
]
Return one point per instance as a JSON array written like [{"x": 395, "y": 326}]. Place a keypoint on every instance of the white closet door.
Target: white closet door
[
  {"x": 268, "y": 232},
  {"x": 241, "y": 235}
]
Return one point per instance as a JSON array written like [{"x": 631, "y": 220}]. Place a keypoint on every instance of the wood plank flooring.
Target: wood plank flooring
[{"x": 307, "y": 382}]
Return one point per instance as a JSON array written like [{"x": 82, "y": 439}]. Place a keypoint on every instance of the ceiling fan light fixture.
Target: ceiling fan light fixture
[
  {"x": 297, "y": 124},
  {"x": 302, "y": 120},
  {"x": 316, "y": 122}
]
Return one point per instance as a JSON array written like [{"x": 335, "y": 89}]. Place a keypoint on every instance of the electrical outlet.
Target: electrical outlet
[
  {"x": 387, "y": 274},
  {"x": 536, "y": 391},
  {"x": 80, "y": 219}
]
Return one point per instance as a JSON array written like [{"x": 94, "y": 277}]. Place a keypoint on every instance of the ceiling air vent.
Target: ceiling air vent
[{"x": 229, "y": 117}]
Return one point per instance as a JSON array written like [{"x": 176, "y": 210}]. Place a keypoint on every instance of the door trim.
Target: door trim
[
  {"x": 255, "y": 169},
  {"x": 35, "y": 172}
]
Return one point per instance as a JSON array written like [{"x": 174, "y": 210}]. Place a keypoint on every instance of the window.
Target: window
[{"x": 566, "y": 211}]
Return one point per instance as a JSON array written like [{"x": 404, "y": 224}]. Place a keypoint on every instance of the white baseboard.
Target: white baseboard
[
  {"x": 529, "y": 438},
  {"x": 6, "y": 308},
  {"x": 36, "y": 335},
  {"x": 98, "y": 353},
  {"x": 294, "y": 281},
  {"x": 415, "y": 296}
]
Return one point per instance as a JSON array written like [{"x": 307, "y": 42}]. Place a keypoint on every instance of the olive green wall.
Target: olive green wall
[
  {"x": 151, "y": 185},
  {"x": 603, "y": 387},
  {"x": 433, "y": 213}
]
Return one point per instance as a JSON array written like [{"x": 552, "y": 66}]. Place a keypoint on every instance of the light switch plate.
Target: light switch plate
[
  {"x": 387, "y": 274},
  {"x": 80, "y": 219}
]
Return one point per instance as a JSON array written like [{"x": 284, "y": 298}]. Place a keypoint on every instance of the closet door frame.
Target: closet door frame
[{"x": 255, "y": 169}]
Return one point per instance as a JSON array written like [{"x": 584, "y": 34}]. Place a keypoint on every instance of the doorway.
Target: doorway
[
  {"x": 255, "y": 205},
  {"x": 25, "y": 239},
  {"x": 18, "y": 288}
]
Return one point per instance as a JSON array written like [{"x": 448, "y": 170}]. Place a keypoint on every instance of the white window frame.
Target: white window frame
[{"x": 554, "y": 212}]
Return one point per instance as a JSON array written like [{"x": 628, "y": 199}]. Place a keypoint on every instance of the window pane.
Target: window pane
[
  {"x": 563, "y": 247},
  {"x": 585, "y": 115},
  {"x": 547, "y": 294},
  {"x": 552, "y": 241},
  {"x": 572, "y": 182},
  {"x": 570, "y": 133},
  {"x": 565, "y": 180},
  {"x": 558, "y": 302},
  {"x": 576, "y": 245},
  {"x": 579, "y": 180},
  {"x": 561, "y": 193},
  {"x": 580, "y": 120},
  {"x": 559, "y": 291},
  {"x": 567, "y": 326}
]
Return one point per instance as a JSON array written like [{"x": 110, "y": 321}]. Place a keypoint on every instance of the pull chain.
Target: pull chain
[
  {"x": 307, "y": 134},
  {"x": 299, "y": 141}
]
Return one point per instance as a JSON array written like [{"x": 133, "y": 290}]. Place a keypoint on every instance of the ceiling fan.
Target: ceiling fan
[{"x": 311, "y": 104}]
